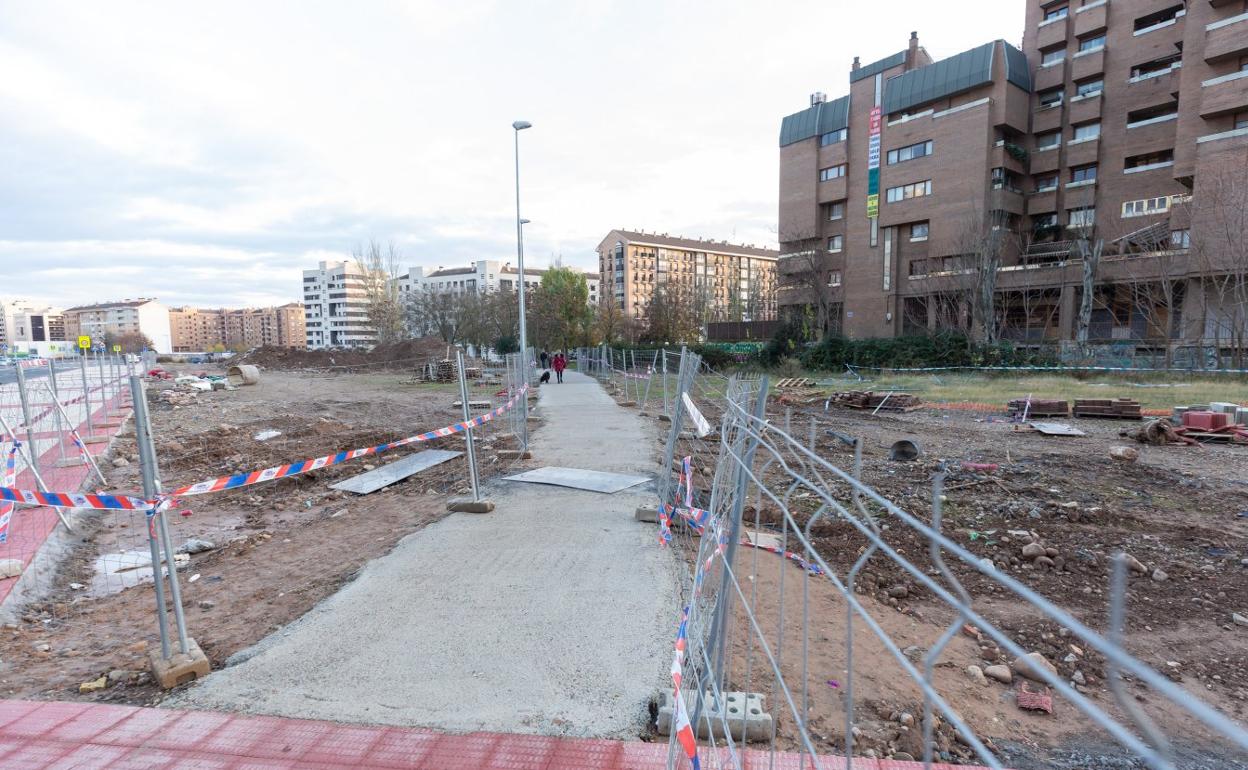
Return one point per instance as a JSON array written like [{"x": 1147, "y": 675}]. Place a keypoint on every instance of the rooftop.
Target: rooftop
[
  {"x": 692, "y": 244},
  {"x": 112, "y": 305}
]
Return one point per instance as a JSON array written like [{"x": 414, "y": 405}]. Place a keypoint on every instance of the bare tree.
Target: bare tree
[
  {"x": 1219, "y": 240},
  {"x": 441, "y": 313},
  {"x": 981, "y": 240},
  {"x": 1090, "y": 247},
  {"x": 805, "y": 271},
  {"x": 380, "y": 268}
]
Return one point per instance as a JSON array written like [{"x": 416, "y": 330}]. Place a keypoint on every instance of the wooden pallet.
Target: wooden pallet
[
  {"x": 795, "y": 382},
  {"x": 1039, "y": 407},
  {"x": 1108, "y": 408},
  {"x": 884, "y": 402}
]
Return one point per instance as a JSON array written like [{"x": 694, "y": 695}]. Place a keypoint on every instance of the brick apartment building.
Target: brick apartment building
[
  {"x": 732, "y": 282},
  {"x": 203, "y": 329},
  {"x": 1123, "y": 122}
]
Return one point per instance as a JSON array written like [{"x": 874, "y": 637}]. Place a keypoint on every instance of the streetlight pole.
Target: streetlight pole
[{"x": 517, "y": 127}]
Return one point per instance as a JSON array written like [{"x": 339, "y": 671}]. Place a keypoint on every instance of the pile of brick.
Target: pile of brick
[
  {"x": 1110, "y": 408},
  {"x": 884, "y": 402},
  {"x": 1210, "y": 425},
  {"x": 1039, "y": 407}
]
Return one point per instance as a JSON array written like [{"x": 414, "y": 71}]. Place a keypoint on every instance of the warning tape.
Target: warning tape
[
  {"x": 10, "y": 478},
  {"x": 122, "y": 502}
]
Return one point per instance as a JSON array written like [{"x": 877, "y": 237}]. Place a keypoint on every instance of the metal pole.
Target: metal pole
[
  {"x": 524, "y": 338},
  {"x": 60, "y": 428},
  {"x": 32, "y": 447},
  {"x": 151, "y": 488},
  {"x": 472, "y": 452},
  {"x": 82, "y": 444},
  {"x": 99, "y": 361},
  {"x": 86, "y": 392},
  {"x": 34, "y": 471}
]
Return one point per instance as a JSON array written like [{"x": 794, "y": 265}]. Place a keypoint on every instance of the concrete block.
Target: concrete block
[
  {"x": 628, "y": 403},
  {"x": 468, "y": 505},
  {"x": 514, "y": 454},
  {"x": 1206, "y": 420},
  {"x": 70, "y": 462},
  {"x": 181, "y": 667},
  {"x": 647, "y": 513},
  {"x": 744, "y": 712},
  {"x": 1241, "y": 416},
  {"x": 1179, "y": 411},
  {"x": 95, "y": 439},
  {"x": 1223, "y": 407}
]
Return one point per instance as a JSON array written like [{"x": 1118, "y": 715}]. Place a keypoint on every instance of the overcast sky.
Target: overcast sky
[{"x": 205, "y": 153}]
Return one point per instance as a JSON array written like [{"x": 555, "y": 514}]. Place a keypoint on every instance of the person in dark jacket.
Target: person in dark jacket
[
  {"x": 545, "y": 358},
  {"x": 560, "y": 364}
]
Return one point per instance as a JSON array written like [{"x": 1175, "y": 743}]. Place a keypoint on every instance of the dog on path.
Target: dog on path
[{"x": 545, "y": 377}]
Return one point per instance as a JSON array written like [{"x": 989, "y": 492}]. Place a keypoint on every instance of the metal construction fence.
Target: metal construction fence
[{"x": 780, "y": 542}]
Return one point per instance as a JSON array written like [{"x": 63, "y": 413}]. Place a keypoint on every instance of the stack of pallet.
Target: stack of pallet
[
  {"x": 1039, "y": 407},
  {"x": 884, "y": 402},
  {"x": 440, "y": 371},
  {"x": 1110, "y": 408},
  {"x": 1212, "y": 426}
]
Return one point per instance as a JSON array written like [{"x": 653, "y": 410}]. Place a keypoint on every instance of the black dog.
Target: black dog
[{"x": 545, "y": 377}]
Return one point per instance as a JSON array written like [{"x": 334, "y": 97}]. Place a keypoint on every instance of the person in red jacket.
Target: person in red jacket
[{"x": 560, "y": 364}]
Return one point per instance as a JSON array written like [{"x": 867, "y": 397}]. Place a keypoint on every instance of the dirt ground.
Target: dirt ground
[
  {"x": 278, "y": 548},
  {"x": 1182, "y": 512}
]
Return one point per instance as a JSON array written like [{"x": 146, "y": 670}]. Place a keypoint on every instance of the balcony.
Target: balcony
[
  {"x": 1006, "y": 200},
  {"x": 1086, "y": 64},
  {"x": 1224, "y": 95},
  {"x": 1042, "y": 202},
  {"x": 1226, "y": 38},
  {"x": 1050, "y": 33},
  {"x": 1002, "y": 157},
  {"x": 1046, "y": 159},
  {"x": 1081, "y": 153},
  {"x": 832, "y": 190},
  {"x": 1085, "y": 108},
  {"x": 1047, "y": 119},
  {"x": 1049, "y": 76},
  {"x": 1154, "y": 86},
  {"x": 1090, "y": 18}
]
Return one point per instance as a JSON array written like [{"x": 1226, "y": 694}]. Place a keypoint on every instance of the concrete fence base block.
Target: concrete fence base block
[
  {"x": 468, "y": 505},
  {"x": 514, "y": 454},
  {"x": 95, "y": 439},
  {"x": 744, "y": 713},
  {"x": 181, "y": 667},
  {"x": 647, "y": 513},
  {"x": 628, "y": 403},
  {"x": 664, "y": 418},
  {"x": 70, "y": 462}
]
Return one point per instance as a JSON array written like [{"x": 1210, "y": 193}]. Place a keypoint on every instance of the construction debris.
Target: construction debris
[
  {"x": 1039, "y": 407},
  {"x": 1157, "y": 433},
  {"x": 795, "y": 382},
  {"x": 882, "y": 402},
  {"x": 1109, "y": 408},
  {"x": 1055, "y": 429}
]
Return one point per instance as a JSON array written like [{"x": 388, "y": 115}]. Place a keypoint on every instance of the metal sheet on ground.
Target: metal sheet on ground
[
  {"x": 1056, "y": 429},
  {"x": 578, "y": 478},
  {"x": 378, "y": 478}
]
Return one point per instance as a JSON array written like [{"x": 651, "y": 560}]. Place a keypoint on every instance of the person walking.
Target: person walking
[
  {"x": 545, "y": 357},
  {"x": 560, "y": 364}
]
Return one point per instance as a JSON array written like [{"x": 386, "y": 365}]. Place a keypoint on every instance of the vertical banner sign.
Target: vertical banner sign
[{"x": 873, "y": 166}]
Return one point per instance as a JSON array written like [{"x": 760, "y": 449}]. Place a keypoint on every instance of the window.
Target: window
[
  {"x": 1146, "y": 207},
  {"x": 1051, "y": 98},
  {"x": 1052, "y": 56},
  {"x": 1081, "y": 217},
  {"x": 903, "y": 154},
  {"x": 1044, "y": 221},
  {"x": 1053, "y": 14},
  {"x": 1089, "y": 87},
  {"x": 1046, "y": 182},
  {"x": 1092, "y": 42},
  {"x": 1083, "y": 174},
  {"x": 908, "y": 191},
  {"x": 1162, "y": 18},
  {"x": 1148, "y": 160},
  {"x": 1047, "y": 140},
  {"x": 1087, "y": 132},
  {"x": 1180, "y": 239},
  {"x": 834, "y": 210},
  {"x": 1241, "y": 120},
  {"x": 836, "y": 243},
  {"x": 834, "y": 278},
  {"x": 1150, "y": 115},
  {"x": 1156, "y": 67},
  {"x": 832, "y": 137},
  {"x": 918, "y": 231},
  {"x": 832, "y": 172},
  {"x": 1003, "y": 179}
]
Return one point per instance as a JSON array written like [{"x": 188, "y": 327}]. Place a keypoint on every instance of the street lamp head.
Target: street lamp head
[
  {"x": 520, "y": 125},
  {"x": 525, "y": 221}
]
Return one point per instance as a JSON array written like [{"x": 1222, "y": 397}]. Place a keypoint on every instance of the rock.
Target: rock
[
  {"x": 902, "y": 756},
  {"x": 898, "y": 592},
  {"x": 1238, "y": 619},
  {"x": 1078, "y": 678},
  {"x": 43, "y": 647},
  {"x": 1030, "y": 666},
  {"x": 196, "y": 545},
  {"x": 1124, "y": 454},
  {"x": 1043, "y": 561},
  {"x": 120, "y": 462},
  {"x": 906, "y": 719},
  {"x": 76, "y": 586},
  {"x": 1000, "y": 673},
  {"x": 1160, "y": 576},
  {"x": 93, "y": 686},
  {"x": 1033, "y": 550},
  {"x": 1051, "y": 552},
  {"x": 1134, "y": 564},
  {"x": 10, "y": 568},
  {"x": 205, "y": 604},
  {"x": 119, "y": 675},
  {"x": 977, "y": 675}
]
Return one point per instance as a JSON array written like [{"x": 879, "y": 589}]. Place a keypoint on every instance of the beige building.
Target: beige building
[
  {"x": 732, "y": 282},
  {"x": 132, "y": 316},
  {"x": 202, "y": 329}
]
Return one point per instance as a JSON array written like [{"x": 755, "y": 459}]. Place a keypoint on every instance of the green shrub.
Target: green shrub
[{"x": 916, "y": 352}]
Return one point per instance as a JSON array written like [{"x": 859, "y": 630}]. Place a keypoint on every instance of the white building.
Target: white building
[
  {"x": 26, "y": 327},
  {"x": 335, "y": 307},
  {"x": 131, "y": 316},
  {"x": 482, "y": 277}
]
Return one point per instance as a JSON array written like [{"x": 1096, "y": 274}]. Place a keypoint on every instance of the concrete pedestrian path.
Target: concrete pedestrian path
[{"x": 553, "y": 615}]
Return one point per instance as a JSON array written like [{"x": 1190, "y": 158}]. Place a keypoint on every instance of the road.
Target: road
[{"x": 8, "y": 374}]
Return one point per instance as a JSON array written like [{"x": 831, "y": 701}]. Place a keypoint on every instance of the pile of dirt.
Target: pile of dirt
[{"x": 406, "y": 355}]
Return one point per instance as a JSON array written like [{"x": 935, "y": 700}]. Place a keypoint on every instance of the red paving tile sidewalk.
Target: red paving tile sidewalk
[{"x": 86, "y": 736}]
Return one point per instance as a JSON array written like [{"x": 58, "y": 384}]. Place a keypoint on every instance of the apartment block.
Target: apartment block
[
  {"x": 132, "y": 316},
  {"x": 482, "y": 277},
  {"x": 1122, "y": 123},
  {"x": 205, "y": 329},
  {"x": 28, "y": 327},
  {"x": 730, "y": 282},
  {"x": 335, "y": 306}
]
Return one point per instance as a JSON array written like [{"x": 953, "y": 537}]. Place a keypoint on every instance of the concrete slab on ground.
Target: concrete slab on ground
[
  {"x": 579, "y": 478},
  {"x": 554, "y": 614},
  {"x": 390, "y": 473}
]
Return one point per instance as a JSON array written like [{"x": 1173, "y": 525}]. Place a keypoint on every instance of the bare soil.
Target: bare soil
[{"x": 280, "y": 547}]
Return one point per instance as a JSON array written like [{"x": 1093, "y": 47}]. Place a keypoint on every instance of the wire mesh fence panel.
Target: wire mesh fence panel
[{"x": 847, "y": 618}]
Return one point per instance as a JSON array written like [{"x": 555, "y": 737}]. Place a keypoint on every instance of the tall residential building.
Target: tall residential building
[
  {"x": 1120, "y": 122},
  {"x": 335, "y": 307},
  {"x": 481, "y": 277},
  {"x": 203, "y": 329},
  {"x": 132, "y": 316},
  {"x": 731, "y": 282},
  {"x": 30, "y": 327}
]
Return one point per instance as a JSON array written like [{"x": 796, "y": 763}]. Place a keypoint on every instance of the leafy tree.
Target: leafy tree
[{"x": 563, "y": 315}]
